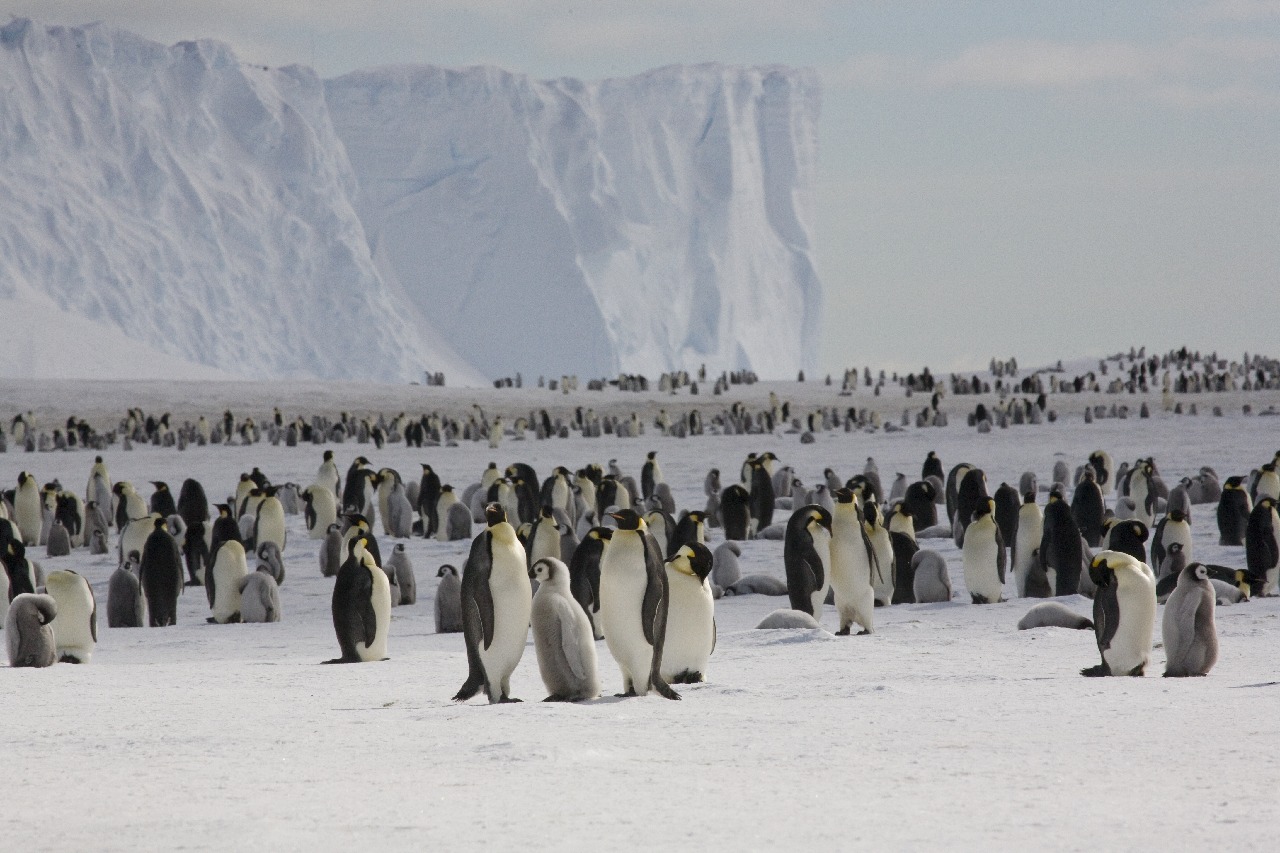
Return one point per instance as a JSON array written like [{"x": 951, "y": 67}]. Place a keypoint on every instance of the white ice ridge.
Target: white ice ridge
[{"x": 267, "y": 224}]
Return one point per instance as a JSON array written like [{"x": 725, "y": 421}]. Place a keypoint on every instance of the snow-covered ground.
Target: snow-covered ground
[{"x": 947, "y": 727}]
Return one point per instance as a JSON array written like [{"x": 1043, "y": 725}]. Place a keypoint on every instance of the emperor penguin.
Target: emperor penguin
[
  {"x": 448, "y": 607},
  {"x": 320, "y": 509},
  {"x": 691, "y": 621},
  {"x": 882, "y": 544},
  {"x": 1103, "y": 469},
  {"x": 259, "y": 597},
  {"x": 1061, "y": 556},
  {"x": 984, "y": 556},
  {"x": 126, "y": 607},
  {"x": 1268, "y": 483},
  {"x": 634, "y": 604},
  {"x": 1142, "y": 491},
  {"x": 920, "y": 502},
  {"x": 161, "y": 575},
  {"x": 1124, "y": 613},
  {"x": 496, "y": 603},
  {"x": 401, "y": 568},
  {"x": 360, "y": 526},
  {"x": 1187, "y": 628},
  {"x": 584, "y": 574},
  {"x": 971, "y": 495},
  {"x": 162, "y": 502},
  {"x": 545, "y": 541},
  {"x": 222, "y": 582},
  {"x": 806, "y": 553},
  {"x": 1026, "y": 553},
  {"x": 269, "y": 520},
  {"x": 1234, "y": 506},
  {"x": 1173, "y": 528},
  {"x": 562, "y": 636},
  {"x": 692, "y": 527},
  {"x": 1088, "y": 509},
  {"x": 650, "y": 475},
  {"x": 1262, "y": 544},
  {"x": 59, "y": 542},
  {"x": 931, "y": 582},
  {"x": 852, "y": 563},
  {"x": 902, "y": 536},
  {"x": 98, "y": 489},
  {"x": 331, "y": 551},
  {"x": 447, "y": 500},
  {"x": 735, "y": 512},
  {"x": 27, "y": 511},
  {"x": 28, "y": 634},
  {"x": 1129, "y": 536},
  {"x": 428, "y": 499},
  {"x": 385, "y": 482},
  {"x": 75, "y": 630},
  {"x": 328, "y": 474},
  {"x": 361, "y": 606}
]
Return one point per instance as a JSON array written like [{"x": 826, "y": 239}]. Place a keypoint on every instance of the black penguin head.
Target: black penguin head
[
  {"x": 160, "y": 485},
  {"x": 1055, "y": 494},
  {"x": 1177, "y": 515},
  {"x": 328, "y": 456},
  {"x": 628, "y": 519},
  {"x": 844, "y": 496},
  {"x": 546, "y": 570},
  {"x": 161, "y": 524},
  {"x": 426, "y": 469},
  {"x": 697, "y": 516},
  {"x": 871, "y": 513},
  {"x": 818, "y": 515},
  {"x": 447, "y": 569},
  {"x": 1029, "y": 498},
  {"x": 651, "y": 454},
  {"x": 693, "y": 559},
  {"x": 224, "y": 510},
  {"x": 604, "y": 534},
  {"x": 1088, "y": 476},
  {"x": 357, "y": 545},
  {"x": 447, "y": 487},
  {"x": 494, "y": 514},
  {"x": 355, "y": 519},
  {"x": 984, "y": 508}
]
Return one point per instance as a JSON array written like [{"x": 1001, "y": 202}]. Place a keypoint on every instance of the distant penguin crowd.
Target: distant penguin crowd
[{"x": 592, "y": 554}]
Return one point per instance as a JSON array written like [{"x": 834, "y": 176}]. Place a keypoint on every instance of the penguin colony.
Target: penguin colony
[{"x": 636, "y": 568}]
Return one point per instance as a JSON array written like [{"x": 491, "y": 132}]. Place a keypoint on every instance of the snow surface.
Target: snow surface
[
  {"x": 947, "y": 727},
  {"x": 208, "y": 209},
  {"x": 661, "y": 219}
]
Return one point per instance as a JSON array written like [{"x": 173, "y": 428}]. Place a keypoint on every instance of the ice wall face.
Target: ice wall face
[
  {"x": 640, "y": 224},
  {"x": 200, "y": 205}
]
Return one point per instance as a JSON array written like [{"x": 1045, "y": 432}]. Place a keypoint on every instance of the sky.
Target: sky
[{"x": 1038, "y": 180}]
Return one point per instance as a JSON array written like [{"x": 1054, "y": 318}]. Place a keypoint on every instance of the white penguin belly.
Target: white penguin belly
[
  {"x": 621, "y": 597},
  {"x": 1030, "y": 530},
  {"x": 512, "y": 607},
  {"x": 981, "y": 572},
  {"x": 822, "y": 545},
  {"x": 1131, "y": 645},
  {"x": 228, "y": 570},
  {"x": 71, "y": 632},
  {"x": 381, "y": 600},
  {"x": 851, "y": 581},
  {"x": 271, "y": 523},
  {"x": 690, "y": 626}
]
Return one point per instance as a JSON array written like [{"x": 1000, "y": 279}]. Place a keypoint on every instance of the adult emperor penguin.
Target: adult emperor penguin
[
  {"x": 27, "y": 512},
  {"x": 545, "y": 538},
  {"x": 1103, "y": 469},
  {"x": 1262, "y": 544},
  {"x": 1124, "y": 613},
  {"x": 28, "y": 635},
  {"x": 882, "y": 545},
  {"x": 496, "y": 602},
  {"x": 584, "y": 574},
  {"x": 1142, "y": 491},
  {"x": 269, "y": 520},
  {"x": 1174, "y": 527},
  {"x": 691, "y": 618},
  {"x": 428, "y": 498},
  {"x": 971, "y": 495},
  {"x": 650, "y": 474},
  {"x": 1061, "y": 554},
  {"x": 320, "y": 509},
  {"x": 984, "y": 556},
  {"x": 920, "y": 502},
  {"x": 902, "y": 536},
  {"x": 361, "y": 606},
  {"x": 735, "y": 512},
  {"x": 328, "y": 474},
  {"x": 562, "y": 636},
  {"x": 806, "y": 552},
  {"x": 75, "y": 630},
  {"x": 222, "y": 583},
  {"x": 852, "y": 559},
  {"x": 1268, "y": 483},
  {"x": 161, "y": 575},
  {"x": 1234, "y": 506},
  {"x": 1026, "y": 549},
  {"x": 1129, "y": 536},
  {"x": 98, "y": 489},
  {"x": 1088, "y": 509},
  {"x": 1187, "y": 628},
  {"x": 692, "y": 527},
  {"x": 634, "y": 602}
]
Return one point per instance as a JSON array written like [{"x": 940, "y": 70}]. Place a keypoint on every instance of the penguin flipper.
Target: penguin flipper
[
  {"x": 654, "y": 606},
  {"x": 471, "y": 634},
  {"x": 475, "y": 580},
  {"x": 1107, "y": 605},
  {"x": 368, "y": 619},
  {"x": 1002, "y": 557},
  {"x": 568, "y": 640}
]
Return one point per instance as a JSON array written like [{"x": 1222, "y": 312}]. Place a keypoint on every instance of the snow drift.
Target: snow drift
[{"x": 266, "y": 224}]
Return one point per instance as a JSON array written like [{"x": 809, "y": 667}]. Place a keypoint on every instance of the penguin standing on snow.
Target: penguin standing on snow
[
  {"x": 584, "y": 574},
  {"x": 161, "y": 575},
  {"x": 562, "y": 636},
  {"x": 806, "y": 551},
  {"x": 1124, "y": 613},
  {"x": 1088, "y": 509},
  {"x": 984, "y": 556},
  {"x": 1234, "y": 507},
  {"x": 496, "y": 602},
  {"x": 1262, "y": 544},
  {"x": 1188, "y": 630},
  {"x": 650, "y": 475},
  {"x": 735, "y": 512},
  {"x": 361, "y": 606},
  {"x": 852, "y": 559},
  {"x": 634, "y": 603},
  {"x": 1061, "y": 554},
  {"x": 691, "y": 619}
]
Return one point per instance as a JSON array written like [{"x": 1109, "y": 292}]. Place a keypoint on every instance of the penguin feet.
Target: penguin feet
[
  {"x": 67, "y": 658},
  {"x": 505, "y": 700},
  {"x": 1138, "y": 671},
  {"x": 1096, "y": 671},
  {"x": 688, "y": 677},
  {"x": 864, "y": 632},
  {"x": 628, "y": 695},
  {"x": 193, "y": 582}
]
